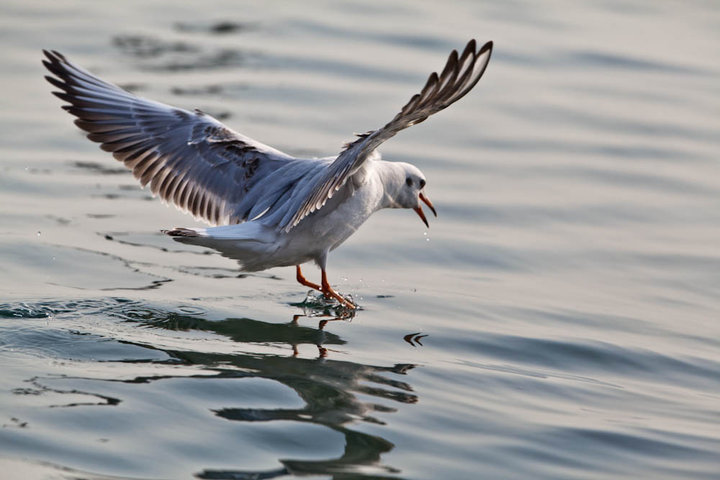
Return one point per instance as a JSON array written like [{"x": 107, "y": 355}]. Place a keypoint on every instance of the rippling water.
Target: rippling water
[{"x": 558, "y": 320}]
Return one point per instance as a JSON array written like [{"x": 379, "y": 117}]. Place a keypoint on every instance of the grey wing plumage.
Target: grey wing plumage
[
  {"x": 188, "y": 158},
  {"x": 461, "y": 73}
]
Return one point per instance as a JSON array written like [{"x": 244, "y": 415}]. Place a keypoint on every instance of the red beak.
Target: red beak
[
  {"x": 420, "y": 212},
  {"x": 428, "y": 203}
]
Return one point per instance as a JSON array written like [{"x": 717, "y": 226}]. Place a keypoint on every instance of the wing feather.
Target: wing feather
[
  {"x": 187, "y": 158},
  {"x": 460, "y": 75}
]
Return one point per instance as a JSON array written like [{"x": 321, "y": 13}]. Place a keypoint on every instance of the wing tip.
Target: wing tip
[
  {"x": 53, "y": 56},
  {"x": 486, "y": 48}
]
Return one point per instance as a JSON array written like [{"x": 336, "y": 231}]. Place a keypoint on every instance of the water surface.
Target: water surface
[{"x": 558, "y": 320}]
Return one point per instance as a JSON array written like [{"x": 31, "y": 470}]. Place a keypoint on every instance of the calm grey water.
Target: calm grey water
[{"x": 558, "y": 320}]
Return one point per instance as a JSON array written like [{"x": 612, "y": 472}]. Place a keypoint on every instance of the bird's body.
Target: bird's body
[
  {"x": 257, "y": 246},
  {"x": 269, "y": 209}
]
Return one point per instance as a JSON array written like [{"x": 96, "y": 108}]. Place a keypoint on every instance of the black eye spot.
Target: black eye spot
[
  {"x": 408, "y": 182},
  {"x": 422, "y": 184}
]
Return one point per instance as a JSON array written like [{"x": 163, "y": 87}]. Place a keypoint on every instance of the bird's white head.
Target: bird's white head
[{"x": 406, "y": 189}]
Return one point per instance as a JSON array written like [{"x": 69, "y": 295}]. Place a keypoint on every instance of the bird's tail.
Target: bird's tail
[
  {"x": 182, "y": 232},
  {"x": 250, "y": 243}
]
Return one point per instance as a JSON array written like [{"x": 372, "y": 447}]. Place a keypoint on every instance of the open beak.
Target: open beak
[{"x": 420, "y": 212}]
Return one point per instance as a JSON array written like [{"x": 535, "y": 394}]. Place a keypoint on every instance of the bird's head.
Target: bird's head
[{"x": 409, "y": 190}]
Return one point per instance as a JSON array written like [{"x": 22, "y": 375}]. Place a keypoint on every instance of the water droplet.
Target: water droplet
[{"x": 39, "y": 233}]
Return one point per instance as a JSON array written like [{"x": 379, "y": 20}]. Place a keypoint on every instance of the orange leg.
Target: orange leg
[
  {"x": 330, "y": 293},
  {"x": 303, "y": 281}
]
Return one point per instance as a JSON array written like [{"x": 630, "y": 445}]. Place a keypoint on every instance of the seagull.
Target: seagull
[{"x": 266, "y": 208}]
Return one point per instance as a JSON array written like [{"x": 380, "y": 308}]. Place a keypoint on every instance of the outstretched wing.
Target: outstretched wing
[
  {"x": 459, "y": 76},
  {"x": 190, "y": 159}
]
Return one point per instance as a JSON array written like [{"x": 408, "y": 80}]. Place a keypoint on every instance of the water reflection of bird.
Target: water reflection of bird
[
  {"x": 247, "y": 330},
  {"x": 270, "y": 209},
  {"x": 335, "y": 393}
]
